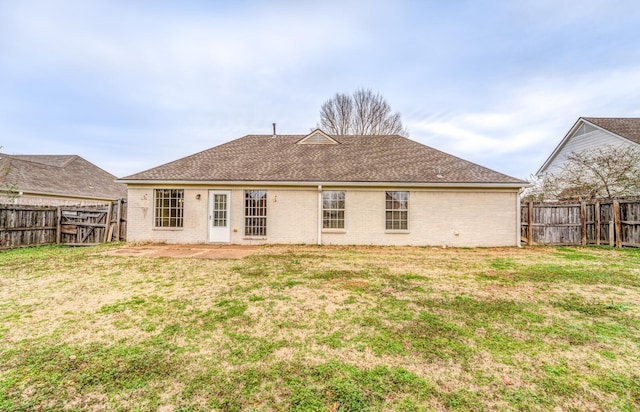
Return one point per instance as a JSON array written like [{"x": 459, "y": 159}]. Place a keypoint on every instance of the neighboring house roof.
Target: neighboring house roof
[
  {"x": 59, "y": 175},
  {"x": 294, "y": 158},
  {"x": 626, "y": 128}
]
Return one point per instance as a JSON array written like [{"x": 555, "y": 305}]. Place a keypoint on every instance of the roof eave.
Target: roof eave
[
  {"x": 560, "y": 146},
  {"x": 502, "y": 185}
]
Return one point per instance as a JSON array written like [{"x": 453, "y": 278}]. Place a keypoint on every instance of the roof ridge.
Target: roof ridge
[
  {"x": 69, "y": 161},
  {"x": 29, "y": 159}
]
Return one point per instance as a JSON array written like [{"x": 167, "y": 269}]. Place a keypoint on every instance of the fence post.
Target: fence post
[
  {"x": 612, "y": 233},
  {"x": 583, "y": 223},
  {"x": 530, "y": 224},
  {"x": 118, "y": 218},
  {"x": 108, "y": 225},
  {"x": 617, "y": 223},
  {"x": 58, "y": 224},
  {"x": 596, "y": 212}
]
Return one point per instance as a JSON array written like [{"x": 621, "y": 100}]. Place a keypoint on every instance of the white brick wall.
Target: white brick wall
[
  {"x": 451, "y": 218},
  {"x": 140, "y": 218},
  {"x": 436, "y": 217}
]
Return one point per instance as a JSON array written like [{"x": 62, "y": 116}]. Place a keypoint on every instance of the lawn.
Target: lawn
[{"x": 321, "y": 328}]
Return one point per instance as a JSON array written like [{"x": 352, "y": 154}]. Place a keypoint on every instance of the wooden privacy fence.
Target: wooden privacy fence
[
  {"x": 605, "y": 222},
  {"x": 22, "y": 225}
]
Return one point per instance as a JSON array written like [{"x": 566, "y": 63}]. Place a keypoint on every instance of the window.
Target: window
[
  {"x": 332, "y": 210},
  {"x": 397, "y": 210},
  {"x": 255, "y": 213},
  {"x": 169, "y": 210}
]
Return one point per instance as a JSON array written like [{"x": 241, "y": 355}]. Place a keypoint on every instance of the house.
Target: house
[
  {"x": 322, "y": 189},
  {"x": 56, "y": 180},
  {"x": 590, "y": 133}
]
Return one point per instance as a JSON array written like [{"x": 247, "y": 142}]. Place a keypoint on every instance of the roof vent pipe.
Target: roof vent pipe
[{"x": 274, "y": 131}]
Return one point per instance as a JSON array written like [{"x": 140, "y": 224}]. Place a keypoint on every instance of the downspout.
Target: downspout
[
  {"x": 319, "y": 215},
  {"x": 518, "y": 220}
]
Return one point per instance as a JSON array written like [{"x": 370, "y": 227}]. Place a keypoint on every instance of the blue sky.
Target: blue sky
[{"x": 130, "y": 85}]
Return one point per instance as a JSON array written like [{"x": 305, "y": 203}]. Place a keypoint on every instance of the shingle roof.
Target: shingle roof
[
  {"x": 354, "y": 159},
  {"x": 51, "y": 160},
  {"x": 64, "y": 175},
  {"x": 628, "y": 127}
]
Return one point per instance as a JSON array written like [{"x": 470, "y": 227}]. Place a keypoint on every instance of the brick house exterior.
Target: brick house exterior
[{"x": 321, "y": 189}]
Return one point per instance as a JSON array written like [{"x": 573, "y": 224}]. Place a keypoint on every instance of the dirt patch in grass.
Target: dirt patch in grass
[{"x": 186, "y": 251}]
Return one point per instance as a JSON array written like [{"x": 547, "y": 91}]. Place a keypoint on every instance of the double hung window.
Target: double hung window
[
  {"x": 333, "y": 209},
  {"x": 397, "y": 210}
]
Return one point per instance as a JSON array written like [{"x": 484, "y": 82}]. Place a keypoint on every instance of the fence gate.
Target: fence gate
[
  {"x": 22, "y": 225},
  {"x": 83, "y": 226}
]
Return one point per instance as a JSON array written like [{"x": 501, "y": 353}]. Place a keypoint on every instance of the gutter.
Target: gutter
[
  {"x": 518, "y": 222},
  {"x": 319, "y": 215},
  {"x": 319, "y": 183}
]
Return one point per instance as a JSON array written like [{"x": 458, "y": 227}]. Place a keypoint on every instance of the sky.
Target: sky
[{"x": 130, "y": 85}]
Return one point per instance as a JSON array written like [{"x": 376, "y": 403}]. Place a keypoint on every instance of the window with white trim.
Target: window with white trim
[
  {"x": 397, "y": 210},
  {"x": 255, "y": 213},
  {"x": 169, "y": 208},
  {"x": 333, "y": 209}
]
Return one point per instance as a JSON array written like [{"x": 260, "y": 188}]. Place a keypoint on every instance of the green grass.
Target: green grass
[{"x": 306, "y": 328}]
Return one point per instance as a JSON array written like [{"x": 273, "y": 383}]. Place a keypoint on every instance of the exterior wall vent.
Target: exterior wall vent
[
  {"x": 317, "y": 137},
  {"x": 584, "y": 129}
]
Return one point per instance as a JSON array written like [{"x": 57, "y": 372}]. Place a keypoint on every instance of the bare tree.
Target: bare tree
[
  {"x": 336, "y": 115},
  {"x": 604, "y": 172},
  {"x": 543, "y": 188},
  {"x": 362, "y": 113}
]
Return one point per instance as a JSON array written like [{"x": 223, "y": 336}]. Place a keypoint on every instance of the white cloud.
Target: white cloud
[
  {"x": 182, "y": 60},
  {"x": 180, "y": 44},
  {"x": 145, "y": 75},
  {"x": 521, "y": 126}
]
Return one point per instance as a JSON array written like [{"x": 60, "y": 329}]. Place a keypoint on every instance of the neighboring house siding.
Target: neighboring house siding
[
  {"x": 581, "y": 142},
  {"x": 437, "y": 217}
]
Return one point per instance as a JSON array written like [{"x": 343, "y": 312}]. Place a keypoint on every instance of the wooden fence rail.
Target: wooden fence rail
[
  {"x": 609, "y": 222},
  {"x": 22, "y": 225}
]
